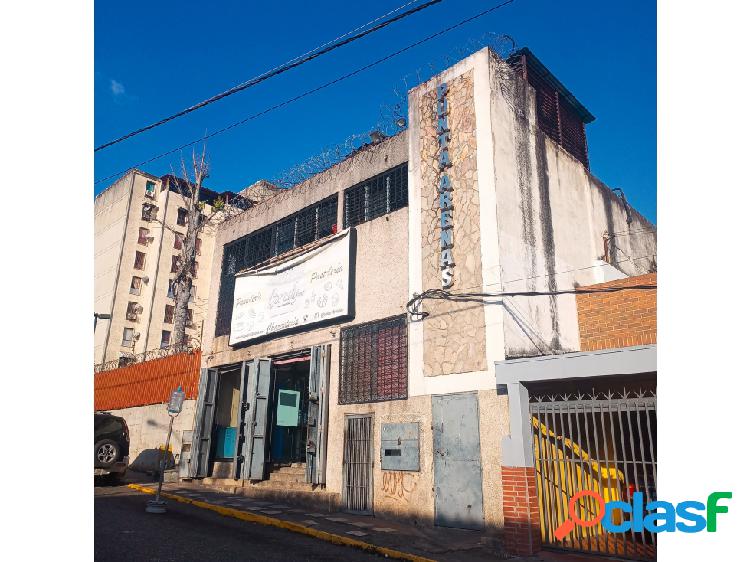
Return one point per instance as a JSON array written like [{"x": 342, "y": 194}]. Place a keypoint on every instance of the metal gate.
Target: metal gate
[
  {"x": 603, "y": 442},
  {"x": 358, "y": 464}
]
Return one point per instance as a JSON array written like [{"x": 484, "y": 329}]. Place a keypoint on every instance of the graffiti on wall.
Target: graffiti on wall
[{"x": 398, "y": 485}]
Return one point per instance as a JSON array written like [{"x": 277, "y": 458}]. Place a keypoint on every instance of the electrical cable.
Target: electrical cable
[
  {"x": 309, "y": 92},
  {"x": 440, "y": 294},
  {"x": 271, "y": 73}
]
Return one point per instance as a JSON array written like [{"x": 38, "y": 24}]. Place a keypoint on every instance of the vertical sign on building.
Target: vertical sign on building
[{"x": 445, "y": 189}]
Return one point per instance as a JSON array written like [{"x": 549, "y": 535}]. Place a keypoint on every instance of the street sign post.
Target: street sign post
[{"x": 174, "y": 407}]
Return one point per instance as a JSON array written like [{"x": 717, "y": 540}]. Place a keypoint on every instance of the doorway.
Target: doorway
[
  {"x": 226, "y": 420},
  {"x": 288, "y": 427},
  {"x": 261, "y": 412}
]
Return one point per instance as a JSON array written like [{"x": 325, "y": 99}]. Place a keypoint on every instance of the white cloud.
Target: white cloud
[{"x": 116, "y": 87}]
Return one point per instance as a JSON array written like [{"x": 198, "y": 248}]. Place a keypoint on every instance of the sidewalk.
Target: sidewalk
[
  {"x": 417, "y": 543},
  {"x": 387, "y": 537}
]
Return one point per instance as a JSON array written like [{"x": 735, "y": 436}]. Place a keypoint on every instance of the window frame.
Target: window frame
[
  {"x": 138, "y": 288},
  {"x": 143, "y": 261},
  {"x": 392, "y": 186},
  {"x": 261, "y": 245},
  {"x": 129, "y": 341},
  {"x": 169, "y": 310},
  {"x": 369, "y": 376},
  {"x": 182, "y": 215},
  {"x": 169, "y": 339},
  {"x": 143, "y": 233}
]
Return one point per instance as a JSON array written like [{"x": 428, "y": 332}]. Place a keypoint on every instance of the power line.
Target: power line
[
  {"x": 271, "y": 73},
  {"x": 440, "y": 294},
  {"x": 308, "y": 92}
]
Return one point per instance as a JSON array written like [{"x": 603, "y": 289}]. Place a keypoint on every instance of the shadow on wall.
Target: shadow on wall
[{"x": 149, "y": 460}]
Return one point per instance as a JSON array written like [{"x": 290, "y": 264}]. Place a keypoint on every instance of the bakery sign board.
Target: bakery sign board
[{"x": 310, "y": 288}]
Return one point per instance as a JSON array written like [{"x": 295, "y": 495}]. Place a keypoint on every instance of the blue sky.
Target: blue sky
[{"x": 154, "y": 58}]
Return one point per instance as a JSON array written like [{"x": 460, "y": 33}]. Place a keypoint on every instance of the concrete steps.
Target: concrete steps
[
  {"x": 288, "y": 475},
  {"x": 286, "y": 484}
]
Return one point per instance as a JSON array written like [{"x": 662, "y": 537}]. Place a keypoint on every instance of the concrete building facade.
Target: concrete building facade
[{"x": 311, "y": 360}]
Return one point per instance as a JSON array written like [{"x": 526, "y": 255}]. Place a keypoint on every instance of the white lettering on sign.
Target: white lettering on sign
[
  {"x": 313, "y": 287},
  {"x": 445, "y": 190}
]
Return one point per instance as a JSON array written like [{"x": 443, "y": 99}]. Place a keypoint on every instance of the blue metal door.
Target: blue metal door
[{"x": 458, "y": 467}]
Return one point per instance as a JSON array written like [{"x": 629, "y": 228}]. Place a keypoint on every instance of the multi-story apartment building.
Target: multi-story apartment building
[{"x": 139, "y": 224}]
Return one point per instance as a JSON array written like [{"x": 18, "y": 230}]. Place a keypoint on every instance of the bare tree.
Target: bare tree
[
  {"x": 200, "y": 217},
  {"x": 196, "y": 220}
]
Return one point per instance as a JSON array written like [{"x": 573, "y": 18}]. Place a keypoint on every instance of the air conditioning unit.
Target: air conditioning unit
[
  {"x": 131, "y": 316},
  {"x": 149, "y": 239},
  {"x": 138, "y": 309},
  {"x": 144, "y": 278}
]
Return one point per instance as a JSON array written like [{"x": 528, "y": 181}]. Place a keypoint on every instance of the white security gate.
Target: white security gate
[{"x": 602, "y": 442}]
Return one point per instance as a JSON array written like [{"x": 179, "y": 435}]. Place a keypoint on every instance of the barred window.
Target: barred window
[
  {"x": 377, "y": 196},
  {"x": 374, "y": 362},
  {"x": 311, "y": 223}
]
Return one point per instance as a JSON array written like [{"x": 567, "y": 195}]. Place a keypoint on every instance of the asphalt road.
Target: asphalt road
[{"x": 124, "y": 531}]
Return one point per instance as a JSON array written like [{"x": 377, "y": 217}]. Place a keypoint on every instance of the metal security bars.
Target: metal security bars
[
  {"x": 377, "y": 196},
  {"x": 358, "y": 463},
  {"x": 305, "y": 226},
  {"x": 374, "y": 362},
  {"x": 559, "y": 115},
  {"x": 603, "y": 442}
]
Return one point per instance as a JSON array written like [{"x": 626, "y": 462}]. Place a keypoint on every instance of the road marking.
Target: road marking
[
  {"x": 291, "y": 526},
  {"x": 357, "y": 533}
]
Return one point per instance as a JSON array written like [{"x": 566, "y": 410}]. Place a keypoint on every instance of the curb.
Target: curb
[{"x": 290, "y": 526}]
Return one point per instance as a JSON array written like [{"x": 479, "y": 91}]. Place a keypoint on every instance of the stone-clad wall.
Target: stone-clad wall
[{"x": 454, "y": 340}]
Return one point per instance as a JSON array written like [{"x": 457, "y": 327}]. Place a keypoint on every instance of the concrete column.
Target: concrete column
[{"x": 516, "y": 447}]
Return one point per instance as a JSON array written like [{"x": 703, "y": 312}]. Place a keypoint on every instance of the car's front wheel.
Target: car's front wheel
[{"x": 106, "y": 453}]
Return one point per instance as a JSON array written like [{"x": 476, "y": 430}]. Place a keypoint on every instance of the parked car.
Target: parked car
[{"x": 111, "y": 445}]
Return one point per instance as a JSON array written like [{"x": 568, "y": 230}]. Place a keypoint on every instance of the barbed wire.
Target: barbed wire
[
  {"x": 393, "y": 118},
  {"x": 127, "y": 359}
]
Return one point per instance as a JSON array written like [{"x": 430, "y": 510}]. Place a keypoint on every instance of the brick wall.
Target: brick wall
[
  {"x": 150, "y": 382},
  {"x": 620, "y": 319},
  {"x": 522, "y": 531}
]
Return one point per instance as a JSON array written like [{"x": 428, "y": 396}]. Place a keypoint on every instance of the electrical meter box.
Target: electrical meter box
[{"x": 399, "y": 446}]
